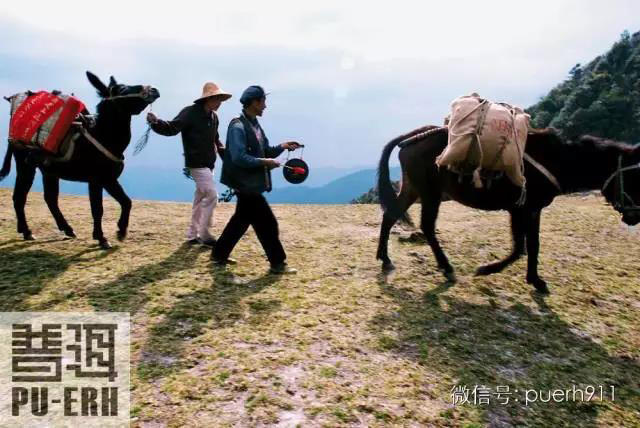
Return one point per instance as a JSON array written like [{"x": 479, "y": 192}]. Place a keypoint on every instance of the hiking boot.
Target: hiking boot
[
  {"x": 209, "y": 242},
  {"x": 282, "y": 269}
]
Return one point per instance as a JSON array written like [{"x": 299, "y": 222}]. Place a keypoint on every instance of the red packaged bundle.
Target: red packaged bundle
[{"x": 42, "y": 119}]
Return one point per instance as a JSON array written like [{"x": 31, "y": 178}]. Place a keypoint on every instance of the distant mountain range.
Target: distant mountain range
[
  {"x": 324, "y": 185},
  {"x": 340, "y": 191}
]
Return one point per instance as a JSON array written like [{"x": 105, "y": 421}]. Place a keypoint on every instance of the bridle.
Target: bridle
[
  {"x": 145, "y": 95},
  {"x": 621, "y": 197}
]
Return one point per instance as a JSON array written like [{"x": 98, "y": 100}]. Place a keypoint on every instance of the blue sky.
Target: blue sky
[{"x": 345, "y": 77}]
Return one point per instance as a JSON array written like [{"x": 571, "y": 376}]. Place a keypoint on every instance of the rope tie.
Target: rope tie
[{"x": 142, "y": 141}]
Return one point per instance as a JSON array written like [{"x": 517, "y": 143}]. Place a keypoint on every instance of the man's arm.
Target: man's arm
[
  {"x": 237, "y": 146},
  {"x": 168, "y": 128},
  {"x": 273, "y": 151},
  {"x": 217, "y": 142}
]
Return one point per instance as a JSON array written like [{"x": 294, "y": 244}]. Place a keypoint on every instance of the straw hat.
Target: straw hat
[{"x": 210, "y": 89}]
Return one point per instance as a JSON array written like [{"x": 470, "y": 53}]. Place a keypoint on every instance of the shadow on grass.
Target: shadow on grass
[
  {"x": 518, "y": 347},
  {"x": 215, "y": 307},
  {"x": 126, "y": 293},
  {"x": 25, "y": 272}
]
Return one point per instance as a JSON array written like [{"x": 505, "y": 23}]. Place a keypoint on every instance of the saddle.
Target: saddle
[{"x": 47, "y": 124}]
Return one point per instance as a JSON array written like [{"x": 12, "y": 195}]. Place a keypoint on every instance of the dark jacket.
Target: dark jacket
[
  {"x": 242, "y": 169},
  {"x": 199, "y": 135}
]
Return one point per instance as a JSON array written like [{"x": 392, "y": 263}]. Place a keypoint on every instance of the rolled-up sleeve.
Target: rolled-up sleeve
[{"x": 237, "y": 146}]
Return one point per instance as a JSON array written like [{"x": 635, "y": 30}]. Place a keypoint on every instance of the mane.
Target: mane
[
  {"x": 586, "y": 141},
  {"x": 551, "y": 134},
  {"x": 603, "y": 144}
]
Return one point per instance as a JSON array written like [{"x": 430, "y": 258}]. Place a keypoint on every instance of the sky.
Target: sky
[{"x": 344, "y": 76}]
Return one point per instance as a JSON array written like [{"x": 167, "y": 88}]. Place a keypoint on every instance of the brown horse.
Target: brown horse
[{"x": 553, "y": 166}]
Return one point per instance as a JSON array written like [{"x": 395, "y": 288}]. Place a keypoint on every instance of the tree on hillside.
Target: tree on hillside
[
  {"x": 601, "y": 98},
  {"x": 371, "y": 197}
]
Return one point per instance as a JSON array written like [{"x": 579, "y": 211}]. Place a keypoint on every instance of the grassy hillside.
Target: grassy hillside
[
  {"x": 600, "y": 98},
  {"x": 340, "y": 344}
]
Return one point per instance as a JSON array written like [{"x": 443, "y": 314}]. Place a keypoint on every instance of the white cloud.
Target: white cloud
[
  {"x": 345, "y": 75},
  {"x": 363, "y": 29}
]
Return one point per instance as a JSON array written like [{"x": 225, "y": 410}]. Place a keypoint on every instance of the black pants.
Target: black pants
[{"x": 252, "y": 209}]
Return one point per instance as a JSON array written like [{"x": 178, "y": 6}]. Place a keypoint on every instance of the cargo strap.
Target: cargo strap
[
  {"x": 99, "y": 146},
  {"x": 70, "y": 150},
  {"x": 544, "y": 172}
]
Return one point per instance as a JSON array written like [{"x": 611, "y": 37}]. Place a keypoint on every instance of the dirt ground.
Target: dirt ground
[{"x": 341, "y": 344}]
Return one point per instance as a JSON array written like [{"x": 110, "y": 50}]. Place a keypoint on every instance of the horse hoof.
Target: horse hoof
[
  {"x": 540, "y": 285},
  {"x": 121, "y": 235},
  {"x": 105, "y": 245},
  {"x": 388, "y": 267},
  {"x": 70, "y": 234},
  {"x": 450, "y": 276},
  {"x": 29, "y": 237}
]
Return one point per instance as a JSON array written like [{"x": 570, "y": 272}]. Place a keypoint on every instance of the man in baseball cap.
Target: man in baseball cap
[
  {"x": 198, "y": 125},
  {"x": 248, "y": 161}
]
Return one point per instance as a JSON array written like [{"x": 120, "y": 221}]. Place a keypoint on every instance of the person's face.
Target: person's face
[
  {"x": 212, "y": 104},
  {"x": 258, "y": 106}
]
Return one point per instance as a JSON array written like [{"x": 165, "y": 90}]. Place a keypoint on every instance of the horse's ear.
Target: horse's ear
[
  {"x": 103, "y": 91},
  {"x": 112, "y": 81}
]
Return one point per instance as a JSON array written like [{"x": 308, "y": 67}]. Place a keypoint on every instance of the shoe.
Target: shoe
[
  {"x": 209, "y": 242},
  {"x": 193, "y": 241},
  {"x": 225, "y": 262},
  {"x": 281, "y": 269}
]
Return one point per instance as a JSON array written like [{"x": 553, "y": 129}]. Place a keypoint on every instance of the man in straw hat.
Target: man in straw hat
[
  {"x": 198, "y": 124},
  {"x": 248, "y": 161}
]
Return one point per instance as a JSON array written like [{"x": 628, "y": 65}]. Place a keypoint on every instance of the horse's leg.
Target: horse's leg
[
  {"x": 118, "y": 193},
  {"x": 533, "y": 247},
  {"x": 406, "y": 198},
  {"x": 95, "y": 197},
  {"x": 430, "y": 207},
  {"x": 51, "y": 186},
  {"x": 518, "y": 231},
  {"x": 25, "y": 174}
]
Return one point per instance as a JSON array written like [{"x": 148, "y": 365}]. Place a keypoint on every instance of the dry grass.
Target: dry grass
[{"x": 339, "y": 344}]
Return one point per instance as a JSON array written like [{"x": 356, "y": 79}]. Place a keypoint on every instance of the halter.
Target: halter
[
  {"x": 621, "y": 197},
  {"x": 144, "y": 94},
  {"x": 142, "y": 142}
]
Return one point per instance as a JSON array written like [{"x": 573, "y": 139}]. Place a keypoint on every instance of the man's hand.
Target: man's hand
[
  {"x": 290, "y": 145},
  {"x": 270, "y": 163},
  {"x": 152, "y": 118}
]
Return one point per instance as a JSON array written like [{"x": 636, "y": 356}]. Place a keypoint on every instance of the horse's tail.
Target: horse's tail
[
  {"x": 6, "y": 165},
  {"x": 386, "y": 193}
]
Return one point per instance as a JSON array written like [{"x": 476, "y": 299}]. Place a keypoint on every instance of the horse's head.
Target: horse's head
[
  {"x": 622, "y": 187},
  {"x": 131, "y": 100}
]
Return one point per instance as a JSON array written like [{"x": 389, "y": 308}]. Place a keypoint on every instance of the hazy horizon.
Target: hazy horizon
[{"x": 344, "y": 78}]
